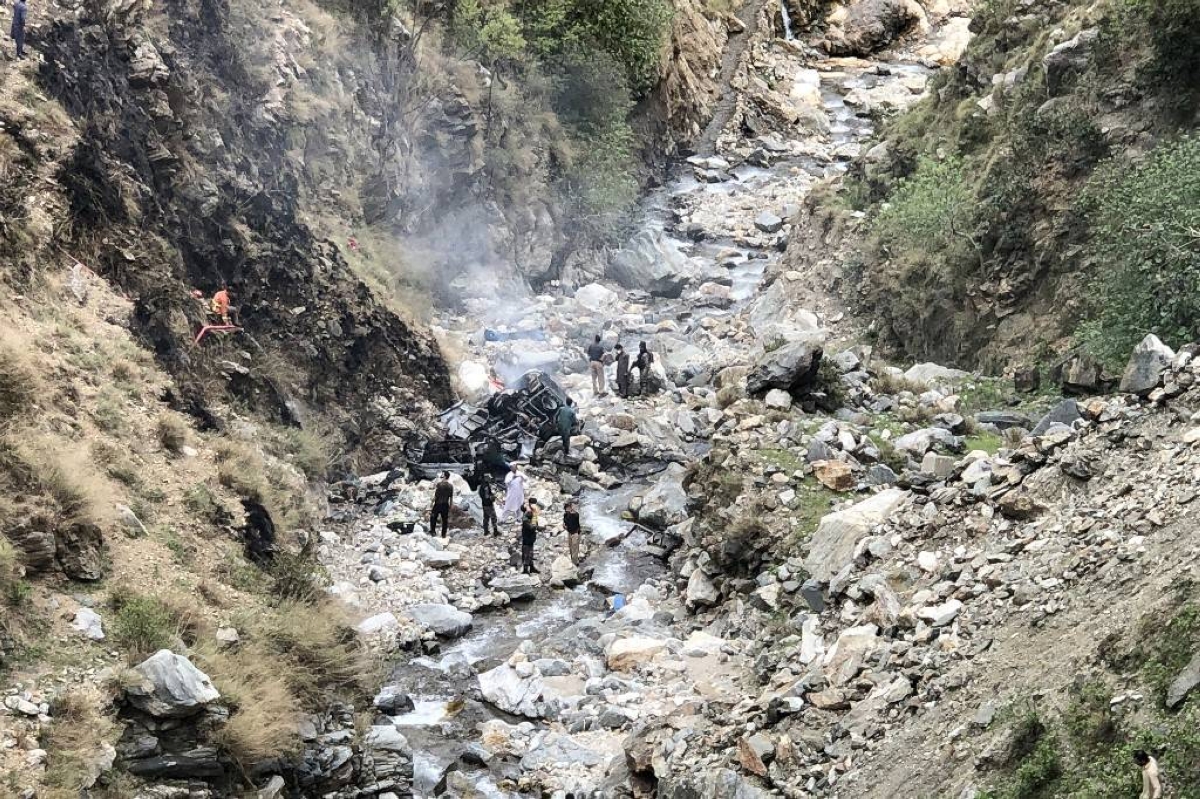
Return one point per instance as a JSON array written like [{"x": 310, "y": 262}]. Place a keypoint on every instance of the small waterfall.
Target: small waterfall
[{"x": 787, "y": 20}]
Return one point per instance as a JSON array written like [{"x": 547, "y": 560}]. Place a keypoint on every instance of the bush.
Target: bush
[
  {"x": 307, "y": 450},
  {"x": 142, "y": 625},
  {"x": 172, "y": 433},
  {"x": 931, "y": 211},
  {"x": 1145, "y": 224},
  {"x": 298, "y": 577},
  {"x": 49, "y": 466}
]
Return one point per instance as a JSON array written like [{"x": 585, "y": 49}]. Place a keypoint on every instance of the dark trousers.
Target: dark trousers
[
  {"x": 489, "y": 515},
  {"x": 442, "y": 511},
  {"x": 526, "y": 558},
  {"x": 20, "y": 39},
  {"x": 566, "y": 441},
  {"x": 623, "y": 385}
]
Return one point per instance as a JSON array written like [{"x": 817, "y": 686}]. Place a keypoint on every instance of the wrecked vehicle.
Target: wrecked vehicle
[{"x": 483, "y": 438}]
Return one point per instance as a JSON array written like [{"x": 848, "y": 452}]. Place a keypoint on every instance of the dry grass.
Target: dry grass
[
  {"x": 888, "y": 383},
  {"x": 141, "y": 625},
  {"x": 307, "y": 451},
  {"x": 172, "y": 432},
  {"x": 65, "y": 474},
  {"x": 19, "y": 382},
  {"x": 241, "y": 469},
  {"x": 76, "y": 735}
]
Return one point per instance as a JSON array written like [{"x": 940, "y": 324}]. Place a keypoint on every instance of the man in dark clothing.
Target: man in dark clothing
[
  {"x": 644, "y": 359},
  {"x": 529, "y": 531},
  {"x": 487, "y": 498},
  {"x": 18, "y": 27},
  {"x": 574, "y": 530},
  {"x": 564, "y": 420},
  {"x": 595, "y": 354},
  {"x": 443, "y": 493},
  {"x": 622, "y": 371}
]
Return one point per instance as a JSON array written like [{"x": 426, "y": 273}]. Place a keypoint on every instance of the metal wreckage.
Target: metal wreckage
[{"x": 485, "y": 438}]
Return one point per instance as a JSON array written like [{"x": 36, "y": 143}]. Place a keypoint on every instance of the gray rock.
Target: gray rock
[
  {"x": 881, "y": 475},
  {"x": 813, "y": 593},
  {"x": 1066, "y": 412},
  {"x": 1184, "y": 682},
  {"x": 392, "y": 701},
  {"x": 665, "y": 503},
  {"x": 700, "y": 590},
  {"x": 871, "y": 25},
  {"x": 934, "y": 374},
  {"x": 768, "y": 222},
  {"x": 791, "y": 367},
  {"x": 1003, "y": 420},
  {"x": 938, "y": 466},
  {"x": 1068, "y": 60},
  {"x": 833, "y": 544},
  {"x": 171, "y": 687},
  {"x": 519, "y": 587},
  {"x": 1146, "y": 365},
  {"x": 818, "y": 450},
  {"x": 919, "y": 442},
  {"x": 88, "y": 622},
  {"x": 512, "y": 693},
  {"x": 1081, "y": 374},
  {"x": 446, "y": 621},
  {"x": 652, "y": 263}
]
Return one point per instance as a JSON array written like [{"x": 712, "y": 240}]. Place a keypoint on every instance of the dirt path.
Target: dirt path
[{"x": 749, "y": 16}]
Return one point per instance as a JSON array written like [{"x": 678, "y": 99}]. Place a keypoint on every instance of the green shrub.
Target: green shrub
[
  {"x": 143, "y": 624},
  {"x": 298, "y": 577},
  {"x": 932, "y": 210},
  {"x": 1145, "y": 223}
]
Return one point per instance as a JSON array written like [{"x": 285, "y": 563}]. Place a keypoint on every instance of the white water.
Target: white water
[{"x": 787, "y": 20}]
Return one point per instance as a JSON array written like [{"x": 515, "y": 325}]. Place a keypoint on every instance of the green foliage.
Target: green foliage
[
  {"x": 930, "y": 212},
  {"x": 1145, "y": 223},
  {"x": 1164, "y": 649},
  {"x": 143, "y": 624},
  {"x": 488, "y": 31},
  {"x": 1173, "y": 27}
]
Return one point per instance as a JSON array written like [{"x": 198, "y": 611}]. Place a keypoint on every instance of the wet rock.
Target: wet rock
[
  {"x": 511, "y": 691},
  {"x": 838, "y": 533},
  {"x": 1146, "y": 365},
  {"x": 446, "y": 621},
  {"x": 171, "y": 687}
]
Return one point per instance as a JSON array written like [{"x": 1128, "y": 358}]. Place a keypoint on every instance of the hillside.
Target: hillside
[{"x": 1020, "y": 210}]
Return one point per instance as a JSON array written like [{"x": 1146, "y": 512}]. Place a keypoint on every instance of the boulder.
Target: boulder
[
  {"x": 1081, "y": 374},
  {"x": 1146, "y": 365},
  {"x": 392, "y": 701},
  {"x": 1067, "y": 60},
  {"x": 871, "y": 25},
  {"x": 768, "y": 222},
  {"x": 519, "y": 587},
  {"x": 563, "y": 573},
  {"x": 380, "y": 622},
  {"x": 791, "y": 367},
  {"x": 652, "y": 263},
  {"x": 834, "y": 475},
  {"x": 941, "y": 615},
  {"x": 1065, "y": 412},
  {"x": 700, "y": 590},
  {"x": 1018, "y": 505},
  {"x": 1003, "y": 420},
  {"x": 919, "y": 442},
  {"x": 513, "y": 693},
  {"x": 626, "y": 654},
  {"x": 832, "y": 545},
  {"x": 934, "y": 374},
  {"x": 170, "y": 686},
  {"x": 849, "y": 653},
  {"x": 665, "y": 504},
  {"x": 446, "y": 621},
  {"x": 1184, "y": 682},
  {"x": 776, "y": 315},
  {"x": 597, "y": 298},
  {"x": 79, "y": 547},
  {"x": 937, "y": 466},
  {"x": 778, "y": 399},
  {"x": 88, "y": 622}
]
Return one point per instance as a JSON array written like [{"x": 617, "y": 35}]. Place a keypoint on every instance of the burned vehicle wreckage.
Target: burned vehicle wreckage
[{"x": 486, "y": 438}]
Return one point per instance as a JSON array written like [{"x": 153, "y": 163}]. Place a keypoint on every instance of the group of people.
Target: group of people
[
  {"x": 516, "y": 506},
  {"x": 599, "y": 358}
]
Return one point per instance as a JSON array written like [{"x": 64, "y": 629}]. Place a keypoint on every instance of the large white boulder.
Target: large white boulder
[
  {"x": 446, "y": 621},
  {"x": 833, "y": 543},
  {"x": 597, "y": 298},
  {"x": 513, "y": 691},
  {"x": 170, "y": 686},
  {"x": 626, "y": 654}
]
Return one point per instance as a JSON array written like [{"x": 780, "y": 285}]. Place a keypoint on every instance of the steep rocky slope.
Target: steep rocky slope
[{"x": 985, "y": 241}]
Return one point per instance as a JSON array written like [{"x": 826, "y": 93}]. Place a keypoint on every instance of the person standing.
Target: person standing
[
  {"x": 1151, "y": 784},
  {"x": 644, "y": 359},
  {"x": 443, "y": 494},
  {"x": 595, "y": 354},
  {"x": 622, "y": 371},
  {"x": 20, "y": 11},
  {"x": 514, "y": 497},
  {"x": 529, "y": 531},
  {"x": 574, "y": 530},
  {"x": 564, "y": 420},
  {"x": 487, "y": 499}
]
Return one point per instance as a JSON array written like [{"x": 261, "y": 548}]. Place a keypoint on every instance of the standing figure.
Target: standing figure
[
  {"x": 564, "y": 420},
  {"x": 622, "y": 371},
  {"x": 443, "y": 494},
  {"x": 644, "y": 359},
  {"x": 529, "y": 531},
  {"x": 514, "y": 496},
  {"x": 20, "y": 10},
  {"x": 1151, "y": 784},
  {"x": 595, "y": 354},
  {"x": 574, "y": 530},
  {"x": 487, "y": 498}
]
